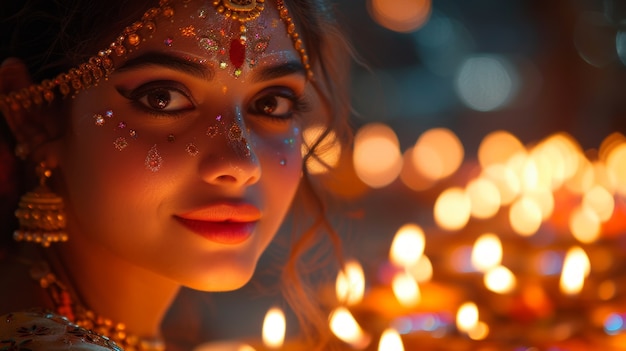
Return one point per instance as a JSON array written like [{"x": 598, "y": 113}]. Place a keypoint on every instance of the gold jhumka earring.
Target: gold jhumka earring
[{"x": 41, "y": 214}]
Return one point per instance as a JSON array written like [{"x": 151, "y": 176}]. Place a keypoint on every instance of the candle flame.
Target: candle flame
[
  {"x": 274, "y": 327},
  {"x": 467, "y": 317},
  {"x": 347, "y": 329},
  {"x": 408, "y": 245},
  {"x": 500, "y": 280},
  {"x": 405, "y": 289},
  {"x": 575, "y": 268},
  {"x": 390, "y": 341},
  {"x": 487, "y": 252},
  {"x": 350, "y": 285}
]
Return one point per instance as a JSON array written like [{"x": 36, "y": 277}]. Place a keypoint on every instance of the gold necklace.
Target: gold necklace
[{"x": 67, "y": 305}]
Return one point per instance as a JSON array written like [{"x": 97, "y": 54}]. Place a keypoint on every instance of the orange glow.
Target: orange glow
[
  {"x": 452, "y": 209},
  {"x": 615, "y": 162},
  {"x": 377, "y": 159},
  {"x": 405, "y": 289},
  {"x": 484, "y": 198},
  {"x": 570, "y": 151},
  {"x": 390, "y": 341},
  {"x": 346, "y": 328},
  {"x": 525, "y": 216},
  {"x": 400, "y": 15},
  {"x": 600, "y": 201},
  {"x": 575, "y": 268},
  {"x": 584, "y": 224},
  {"x": 609, "y": 144},
  {"x": 545, "y": 199},
  {"x": 274, "y": 327},
  {"x": 408, "y": 245},
  {"x": 350, "y": 284},
  {"x": 505, "y": 180},
  {"x": 487, "y": 252},
  {"x": 583, "y": 179},
  {"x": 422, "y": 271},
  {"x": 438, "y": 153},
  {"x": 411, "y": 175},
  {"x": 479, "y": 332},
  {"x": 497, "y": 148}
]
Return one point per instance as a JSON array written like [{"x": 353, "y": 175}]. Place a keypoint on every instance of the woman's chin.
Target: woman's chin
[{"x": 231, "y": 280}]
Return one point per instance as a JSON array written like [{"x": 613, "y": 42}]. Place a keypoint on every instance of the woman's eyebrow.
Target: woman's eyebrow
[
  {"x": 167, "y": 60},
  {"x": 277, "y": 71}
]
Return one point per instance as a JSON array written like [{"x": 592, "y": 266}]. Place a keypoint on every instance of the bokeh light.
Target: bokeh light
[
  {"x": 486, "y": 83},
  {"x": 525, "y": 216},
  {"x": 498, "y": 147},
  {"x": 377, "y": 159},
  {"x": 400, "y": 15},
  {"x": 484, "y": 198},
  {"x": 452, "y": 209},
  {"x": 437, "y": 153}
]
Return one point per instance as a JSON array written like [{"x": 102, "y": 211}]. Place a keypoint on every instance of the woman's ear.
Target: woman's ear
[{"x": 33, "y": 127}]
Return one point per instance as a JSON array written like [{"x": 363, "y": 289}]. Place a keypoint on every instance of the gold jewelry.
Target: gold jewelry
[
  {"x": 40, "y": 213},
  {"x": 101, "y": 66},
  {"x": 67, "y": 305}
]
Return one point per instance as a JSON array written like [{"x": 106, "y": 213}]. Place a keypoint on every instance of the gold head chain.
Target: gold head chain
[{"x": 101, "y": 66}]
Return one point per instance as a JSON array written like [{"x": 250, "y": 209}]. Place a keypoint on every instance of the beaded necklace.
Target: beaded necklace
[{"x": 68, "y": 305}]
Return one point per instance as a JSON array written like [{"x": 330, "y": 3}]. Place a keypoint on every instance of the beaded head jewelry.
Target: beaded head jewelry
[{"x": 101, "y": 66}]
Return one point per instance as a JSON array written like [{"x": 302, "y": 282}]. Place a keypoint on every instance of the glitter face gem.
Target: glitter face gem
[
  {"x": 171, "y": 138},
  {"x": 212, "y": 131},
  {"x": 192, "y": 149},
  {"x": 233, "y": 41},
  {"x": 120, "y": 143},
  {"x": 99, "y": 119},
  {"x": 154, "y": 161}
]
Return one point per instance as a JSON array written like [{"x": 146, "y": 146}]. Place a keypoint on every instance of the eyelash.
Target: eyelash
[
  {"x": 298, "y": 106},
  {"x": 143, "y": 91}
]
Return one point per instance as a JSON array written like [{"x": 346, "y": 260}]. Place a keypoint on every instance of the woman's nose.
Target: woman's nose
[{"x": 231, "y": 160}]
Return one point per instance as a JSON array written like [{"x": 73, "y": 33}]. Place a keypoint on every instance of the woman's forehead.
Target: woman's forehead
[{"x": 207, "y": 33}]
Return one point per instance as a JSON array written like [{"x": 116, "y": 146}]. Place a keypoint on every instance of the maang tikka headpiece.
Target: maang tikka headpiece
[{"x": 101, "y": 66}]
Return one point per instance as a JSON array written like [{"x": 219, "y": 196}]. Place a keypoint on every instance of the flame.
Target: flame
[
  {"x": 575, "y": 268},
  {"x": 390, "y": 341},
  {"x": 405, "y": 289},
  {"x": 274, "y": 327},
  {"x": 350, "y": 285},
  {"x": 487, "y": 252},
  {"x": 467, "y": 317},
  {"x": 500, "y": 280},
  {"x": 408, "y": 245},
  {"x": 346, "y": 328}
]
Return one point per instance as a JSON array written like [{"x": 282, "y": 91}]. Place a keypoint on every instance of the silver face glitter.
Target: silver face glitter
[
  {"x": 192, "y": 149},
  {"x": 99, "y": 119},
  {"x": 120, "y": 143},
  {"x": 154, "y": 161}
]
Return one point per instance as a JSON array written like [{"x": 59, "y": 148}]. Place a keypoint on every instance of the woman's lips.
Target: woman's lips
[{"x": 223, "y": 223}]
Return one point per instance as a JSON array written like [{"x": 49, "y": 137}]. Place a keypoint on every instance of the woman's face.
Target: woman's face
[{"x": 186, "y": 159}]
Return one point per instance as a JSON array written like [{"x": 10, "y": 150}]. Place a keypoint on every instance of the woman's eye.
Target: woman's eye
[
  {"x": 165, "y": 100},
  {"x": 275, "y": 106}
]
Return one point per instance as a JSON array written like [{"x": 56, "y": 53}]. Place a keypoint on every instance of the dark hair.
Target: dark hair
[{"x": 51, "y": 36}]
